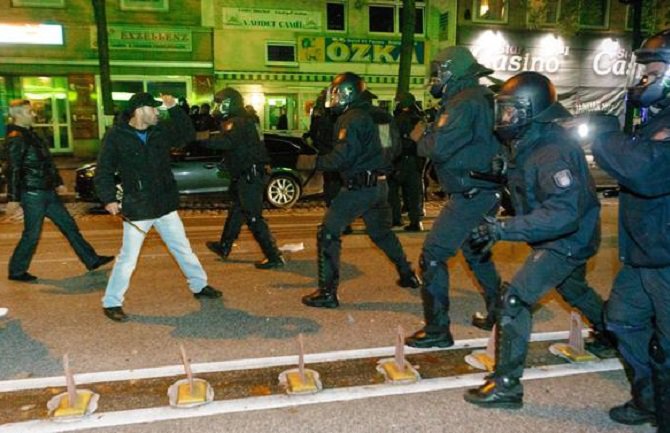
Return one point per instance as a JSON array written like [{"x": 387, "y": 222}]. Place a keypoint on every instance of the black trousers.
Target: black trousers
[{"x": 36, "y": 205}]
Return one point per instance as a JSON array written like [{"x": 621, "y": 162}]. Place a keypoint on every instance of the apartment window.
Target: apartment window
[
  {"x": 387, "y": 18},
  {"x": 648, "y": 15},
  {"x": 594, "y": 13},
  {"x": 335, "y": 17},
  {"x": 280, "y": 53},
  {"x": 490, "y": 11}
]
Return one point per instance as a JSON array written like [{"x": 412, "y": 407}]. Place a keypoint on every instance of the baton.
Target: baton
[
  {"x": 125, "y": 218},
  {"x": 489, "y": 177}
]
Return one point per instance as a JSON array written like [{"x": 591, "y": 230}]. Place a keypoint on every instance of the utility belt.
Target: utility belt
[
  {"x": 365, "y": 179},
  {"x": 468, "y": 195}
]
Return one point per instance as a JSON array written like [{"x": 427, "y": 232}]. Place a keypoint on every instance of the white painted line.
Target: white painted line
[
  {"x": 245, "y": 364},
  {"x": 137, "y": 416}
]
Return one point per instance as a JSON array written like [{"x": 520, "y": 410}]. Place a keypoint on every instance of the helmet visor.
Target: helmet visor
[{"x": 512, "y": 112}]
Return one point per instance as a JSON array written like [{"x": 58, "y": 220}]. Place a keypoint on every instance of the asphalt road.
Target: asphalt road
[{"x": 260, "y": 315}]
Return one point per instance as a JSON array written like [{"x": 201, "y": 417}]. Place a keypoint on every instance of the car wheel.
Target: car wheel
[{"x": 283, "y": 191}]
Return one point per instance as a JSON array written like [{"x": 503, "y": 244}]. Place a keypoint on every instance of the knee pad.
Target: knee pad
[
  {"x": 325, "y": 238},
  {"x": 511, "y": 304},
  {"x": 656, "y": 352}
]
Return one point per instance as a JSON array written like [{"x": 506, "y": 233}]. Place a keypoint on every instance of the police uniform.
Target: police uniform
[
  {"x": 408, "y": 173},
  {"x": 557, "y": 213},
  {"x": 460, "y": 141},
  {"x": 638, "y": 310},
  {"x": 357, "y": 156},
  {"x": 245, "y": 160}
]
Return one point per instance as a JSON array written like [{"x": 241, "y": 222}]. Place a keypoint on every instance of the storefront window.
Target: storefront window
[
  {"x": 594, "y": 13},
  {"x": 490, "y": 10}
]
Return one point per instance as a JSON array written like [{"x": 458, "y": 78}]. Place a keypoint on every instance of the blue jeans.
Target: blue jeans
[{"x": 171, "y": 230}]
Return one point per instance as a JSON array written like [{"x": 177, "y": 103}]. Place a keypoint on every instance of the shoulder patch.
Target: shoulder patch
[
  {"x": 563, "y": 178},
  {"x": 442, "y": 120},
  {"x": 14, "y": 134},
  {"x": 228, "y": 126},
  {"x": 342, "y": 134}
]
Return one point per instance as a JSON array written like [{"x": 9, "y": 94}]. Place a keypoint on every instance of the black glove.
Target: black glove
[
  {"x": 485, "y": 235},
  {"x": 499, "y": 166}
]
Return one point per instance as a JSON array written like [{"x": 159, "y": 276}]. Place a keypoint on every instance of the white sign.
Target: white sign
[
  {"x": 271, "y": 19},
  {"x": 34, "y": 34}
]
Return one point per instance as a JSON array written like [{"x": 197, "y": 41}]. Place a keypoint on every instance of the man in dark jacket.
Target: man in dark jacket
[
  {"x": 34, "y": 182},
  {"x": 358, "y": 156},
  {"x": 137, "y": 148},
  {"x": 459, "y": 142},
  {"x": 557, "y": 212},
  {"x": 408, "y": 167},
  {"x": 245, "y": 159},
  {"x": 638, "y": 310}
]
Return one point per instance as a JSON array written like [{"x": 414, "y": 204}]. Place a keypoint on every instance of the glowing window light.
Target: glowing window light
[{"x": 34, "y": 34}]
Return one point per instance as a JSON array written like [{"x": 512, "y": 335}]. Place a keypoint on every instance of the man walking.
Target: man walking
[{"x": 34, "y": 183}]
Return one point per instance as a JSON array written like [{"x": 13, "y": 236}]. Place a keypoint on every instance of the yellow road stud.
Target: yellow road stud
[
  {"x": 197, "y": 395},
  {"x": 77, "y": 409}
]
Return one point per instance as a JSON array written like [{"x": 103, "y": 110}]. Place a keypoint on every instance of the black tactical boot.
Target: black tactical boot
[
  {"x": 271, "y": 263},
  {"x": 436, "y": 332},
  {"x": 322, "y": 298},
  {"x": 414, "y": 227},
  {"x": 220, "y": 249},
  {"x": 661, "y": 383},
  {"x": 329, "y": 273},
  {"x": 638, "y": 410},
  {"x": 409, "y": 280},
  {"x": 483, "y": 321},
  {"x": 601, "y": 343},
  {"x": 500, "y": 392}
]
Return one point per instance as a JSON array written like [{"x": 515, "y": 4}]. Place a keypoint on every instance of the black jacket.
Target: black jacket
[
  {"x": 553, "y": 193},
  {"x": 461, "y": 139},
  {"x": 642, "y": 168},
  {"x": 31, "y": 166},
  {"x": 241, "y": 142},
  {"x": 357, "y": 147},
  {"x": 149, "y": 188}
]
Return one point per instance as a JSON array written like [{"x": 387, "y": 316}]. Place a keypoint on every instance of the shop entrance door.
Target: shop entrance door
[{"x": 48, "y": 96}]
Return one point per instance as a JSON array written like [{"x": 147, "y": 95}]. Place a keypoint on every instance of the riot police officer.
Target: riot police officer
[
  {"x": 408, "y": 167},
  {"x": 638, "y": 310},
  {"x": 461, "y": 140},
  {"x": 357, "y": 156},
  {"x": 557, "y": 213},
  {"x": 245, "y": 160}
]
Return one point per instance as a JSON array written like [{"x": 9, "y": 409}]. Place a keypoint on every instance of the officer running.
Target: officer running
[
  {"x": 357, "y": 155},
  {"x": 557, "y": 213}
]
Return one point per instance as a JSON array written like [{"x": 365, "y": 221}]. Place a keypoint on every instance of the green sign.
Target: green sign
[
  {"x": 346, "y": 50},
  {"x": 270, "y": 19},
  {"x": 146, "y": 38}
]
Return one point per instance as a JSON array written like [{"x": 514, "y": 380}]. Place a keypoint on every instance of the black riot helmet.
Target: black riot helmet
[
  {"x": 525, "y": 98},
  {"x": 344, "y": 90},
  {"x": 452, "y": 64},
  {"x": 651, "y": 77},
  {"x": 228, "y": 103}
]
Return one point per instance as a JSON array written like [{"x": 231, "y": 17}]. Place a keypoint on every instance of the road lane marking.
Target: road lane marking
[{"x": 137, "y": 416}]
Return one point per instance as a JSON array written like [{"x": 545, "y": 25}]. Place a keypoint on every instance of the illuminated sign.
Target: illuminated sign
[
  {"x": 271, "y": 19},
  {"x": 344, "y": 50},
  {"x": 34, "y": 34}
]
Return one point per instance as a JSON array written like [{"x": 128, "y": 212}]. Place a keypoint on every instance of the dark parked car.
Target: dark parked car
[{"x": 198, "y": 171}]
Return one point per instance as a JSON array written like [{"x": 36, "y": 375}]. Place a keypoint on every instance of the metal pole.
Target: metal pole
[{"x": 103, "y": 56}]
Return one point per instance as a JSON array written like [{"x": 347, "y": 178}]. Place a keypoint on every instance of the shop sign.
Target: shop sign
[
  {"x": 33, "y": 34},
  {"x": 344, "y": 50},
  {"x": 39, "y": 3},
  {"x": 590, "y": 71},
  {"x": 144, "y": 5},
  {"x": 271, "y": 19},
  {"x": 145, "y": 38}
]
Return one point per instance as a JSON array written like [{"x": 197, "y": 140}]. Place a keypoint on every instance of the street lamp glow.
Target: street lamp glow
[{"x": 583, "y": 130}]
